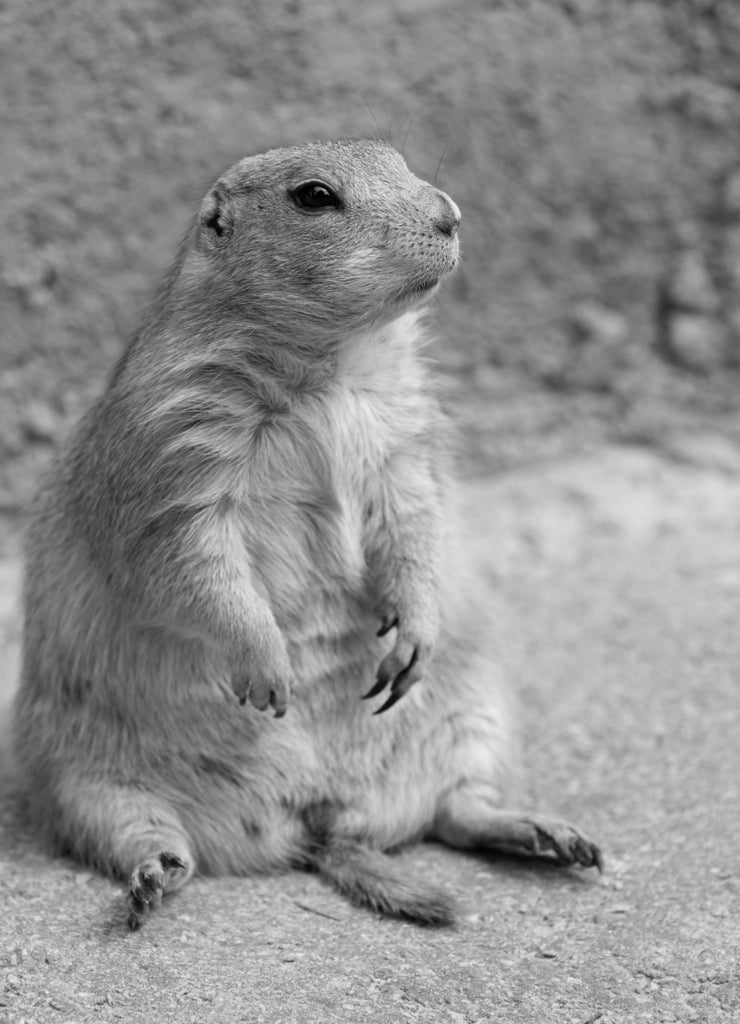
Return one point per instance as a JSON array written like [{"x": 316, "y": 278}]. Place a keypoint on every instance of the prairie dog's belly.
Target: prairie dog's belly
[
  {"x": 333, "y": 645},
  {"x": 308, "y": 558},
  {"x": 380, "y": 773},
  {"x": 306, "y": 534}
]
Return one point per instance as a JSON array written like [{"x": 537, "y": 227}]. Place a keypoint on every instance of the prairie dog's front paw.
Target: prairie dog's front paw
[
  {"x": 264, "y": 687},
  {"x": 403, "y": 665}
]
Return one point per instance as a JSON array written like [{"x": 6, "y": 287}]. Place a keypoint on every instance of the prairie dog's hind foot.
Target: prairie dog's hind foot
[
  {"x": 544, "y": 838},
  {"x": 469, "y": 822},
  {"x": 160, "y": 873}
]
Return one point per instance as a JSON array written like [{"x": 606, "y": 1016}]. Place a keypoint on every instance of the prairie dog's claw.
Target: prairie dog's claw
[
  {"x": 171, "y": 860},
  {"x": 387, "y": 624},
  {"x": 378, "y": 685},
  {"x": 565, "y": 843},
  {"x": 399, "y": 668},
  {"x": 147, "y": 885},
  {"x": 395, "y": 696},
  {"x": 279, "y": 702},
  {"x": 263, "y": 693}
]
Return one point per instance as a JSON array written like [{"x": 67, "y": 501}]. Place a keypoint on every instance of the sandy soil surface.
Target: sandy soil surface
[{"x": 616, "y": 583}]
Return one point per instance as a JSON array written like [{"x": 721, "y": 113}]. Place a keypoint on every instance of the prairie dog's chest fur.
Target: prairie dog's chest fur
[{"x": 321, "y": 489}]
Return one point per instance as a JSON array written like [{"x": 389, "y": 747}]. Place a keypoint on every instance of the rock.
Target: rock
[
  {"x": 732, "y": 255},
  {"x": 490, "y": 380},
  {"x": 734, "y": 321},
  {"x": 696, "y": 342},
  {"x": 691, "y": 286},
  {"x": 732, "y": 194},
  {"x": 593, "y": 322},
  {"x": 597, "y": 350},
  {"x": 40, "y": 422}
]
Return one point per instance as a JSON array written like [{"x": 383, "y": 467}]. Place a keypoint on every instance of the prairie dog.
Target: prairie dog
[{"x": 249, "y": 533}]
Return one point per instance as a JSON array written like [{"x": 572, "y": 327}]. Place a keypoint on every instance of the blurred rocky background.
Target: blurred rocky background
[{"x": 593, "y": 146}]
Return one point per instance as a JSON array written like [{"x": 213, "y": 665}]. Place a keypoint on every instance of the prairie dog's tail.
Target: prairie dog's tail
[{"x": 370, "y": 878}]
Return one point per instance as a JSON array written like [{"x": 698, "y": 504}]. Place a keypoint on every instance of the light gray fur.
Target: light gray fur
[{"x": 264, "y": 480}]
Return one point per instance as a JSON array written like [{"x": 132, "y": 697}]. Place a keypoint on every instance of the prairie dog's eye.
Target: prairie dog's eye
[{"x": 315, "y": 196}]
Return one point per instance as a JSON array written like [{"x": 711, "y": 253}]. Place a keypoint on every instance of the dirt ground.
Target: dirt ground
[{"x": 616, "y": 583}]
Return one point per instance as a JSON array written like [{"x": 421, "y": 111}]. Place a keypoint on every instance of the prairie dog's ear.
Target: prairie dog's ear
[{"x": 216, "y": 217}]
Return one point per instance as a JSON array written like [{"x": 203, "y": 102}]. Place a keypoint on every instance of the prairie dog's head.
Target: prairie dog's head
[{"x": 323, "y": 239}]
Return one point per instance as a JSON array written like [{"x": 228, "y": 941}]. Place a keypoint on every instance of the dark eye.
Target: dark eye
[{"x": 315, "y": 195}]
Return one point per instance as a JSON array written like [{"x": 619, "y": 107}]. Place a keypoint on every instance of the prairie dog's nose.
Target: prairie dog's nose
[{"x": 448, "y": 218}]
